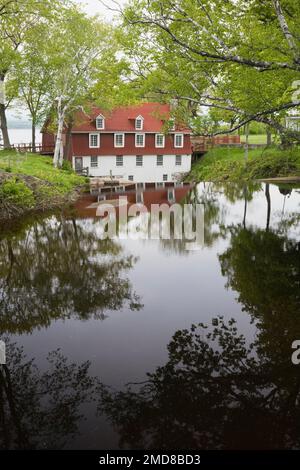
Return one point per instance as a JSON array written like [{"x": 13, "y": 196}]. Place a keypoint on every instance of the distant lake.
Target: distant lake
[{"x": 23, "y": 136}]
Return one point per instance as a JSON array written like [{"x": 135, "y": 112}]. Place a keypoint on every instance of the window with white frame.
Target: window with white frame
[
  {"x": 119, "y": 160},
  {"x": 160, "y": 160},
  {"x": 165, "y": 177},
  {"x": 178, "y": 140},
  {"x": 94, "y": 162},
  {"x": 100, "y": 122},
  {"x": 139, "y": 123},
  {"x": 130, "y": 178},
  {"x": 159, "y": 141},
  {"x": 94, "y": 141},
  {"x": 119, "y": 140},
  {"x": 140, "y": 140},
  {"x": 139, "y": 160},
  {"x": 178, "y": 160}
]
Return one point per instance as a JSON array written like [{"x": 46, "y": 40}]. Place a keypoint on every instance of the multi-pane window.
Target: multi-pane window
[
  {"x": 100, "y": 122},
  {"x": 119, "y": 140},
  {"x": 119, "y": 160},
  {"x": 159, "y": 140},
  {"x": 139, "y": 160},
  {"x": 165, "y": 177},
  {"x": 130, "y": 177},
  {"x": 94, "y": 141},
  {"x": 160, "y": 160},
  {"x": 139, "y": 124},
  {"x": 178, "y": 160},
  {"x": 140, "y": 140},
  {"x": 94, "y": 162},
  {"x": 178, "y": 140}
]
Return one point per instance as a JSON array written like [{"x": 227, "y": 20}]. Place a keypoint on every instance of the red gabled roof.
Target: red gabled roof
[{"x": 123, "y": 118}]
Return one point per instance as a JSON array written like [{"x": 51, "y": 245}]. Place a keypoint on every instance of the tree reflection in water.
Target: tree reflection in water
[
  {"x": 57, "y": 269},
  {"x": 217, "y": 390},
  {"x": 41, "y": 410}
]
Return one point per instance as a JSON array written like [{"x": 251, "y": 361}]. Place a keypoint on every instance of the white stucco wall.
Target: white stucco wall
[{"x": 148, "y": 173}]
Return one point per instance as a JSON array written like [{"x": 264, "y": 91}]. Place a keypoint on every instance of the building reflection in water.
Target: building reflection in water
[{"x": 218, "y": 388}]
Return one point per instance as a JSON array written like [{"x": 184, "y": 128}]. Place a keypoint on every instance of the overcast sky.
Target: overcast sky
[{"x": 94, "y": 6}]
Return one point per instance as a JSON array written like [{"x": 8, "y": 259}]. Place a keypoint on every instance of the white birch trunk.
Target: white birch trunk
[
  {"x": 61, "y": 110},
  {"x": 286, "y": 31}
]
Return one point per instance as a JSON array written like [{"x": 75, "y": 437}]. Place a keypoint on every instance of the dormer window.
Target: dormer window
[
  {"x": 100, "y": 122},
  {"x": 139, "y": 123}
]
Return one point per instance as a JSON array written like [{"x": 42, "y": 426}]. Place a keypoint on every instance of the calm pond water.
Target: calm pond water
[{"x": 105, "y": 347}]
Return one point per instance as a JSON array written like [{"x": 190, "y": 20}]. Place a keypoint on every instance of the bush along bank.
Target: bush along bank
[
  {"x": 30, "y": 183},
  {"x": 229, "y": 164}
]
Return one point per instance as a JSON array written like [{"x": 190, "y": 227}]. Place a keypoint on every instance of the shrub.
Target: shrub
[
  {"x": 16, "y": 193},
  {"x": 67, "y": 166},
  {"x": 270, "y": 166},
  {"x": 219, "y": 165}
]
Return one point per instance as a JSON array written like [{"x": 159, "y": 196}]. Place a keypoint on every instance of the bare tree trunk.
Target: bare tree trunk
[
  {"x": 4, "y": 130},
  {"x": 3, "y": 121},
  {"x": 68, "y": 138},
  {"x": 286, "y": 140},
  {"x": 33, "y": 139},
  {"x": 247, "y": 143}
]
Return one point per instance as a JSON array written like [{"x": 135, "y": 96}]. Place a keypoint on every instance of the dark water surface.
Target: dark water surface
[{"x": 83, "y": 318}]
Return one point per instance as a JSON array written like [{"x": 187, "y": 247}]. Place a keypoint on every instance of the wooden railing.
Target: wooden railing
[
  {"x": 202, "y": 144},
  {"x": 39, "y": 148}
]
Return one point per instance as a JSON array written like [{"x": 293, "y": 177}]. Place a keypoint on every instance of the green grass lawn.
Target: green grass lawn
[
  {"x": 260, "y": 139},
  {"x": 29, "y": 182},
  {"x": 222, "y": 163},
  {"x": 40, "y": 167}
]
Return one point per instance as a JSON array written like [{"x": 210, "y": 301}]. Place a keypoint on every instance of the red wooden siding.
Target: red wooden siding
[{"x": 80, "y": 144}]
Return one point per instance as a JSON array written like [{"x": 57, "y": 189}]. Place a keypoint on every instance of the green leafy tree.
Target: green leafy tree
[
  {"x": 239, "y": 58},
  {"x": 32, "y": 78},
  {"x": 77, "y": 45},
  {"x": 17, "y": 18}
]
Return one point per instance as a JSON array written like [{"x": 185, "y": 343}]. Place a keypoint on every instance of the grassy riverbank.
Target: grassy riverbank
[
  {"x": 223, "y": 164},
  {"x": 30, "y": 183}
]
